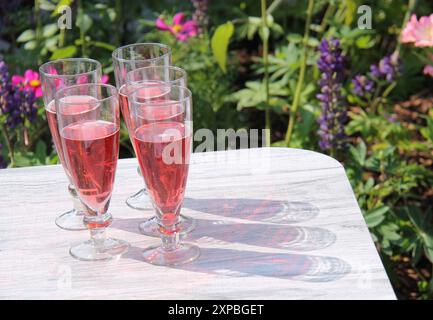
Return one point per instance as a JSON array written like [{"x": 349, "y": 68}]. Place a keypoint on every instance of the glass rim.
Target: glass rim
[
  {"x": 115, "y": 55},
  {"x": 61, "y": 91},
  {"x": 175, "y": 68},
  {"x": 49, "y": 75},
  {"x": 188, "y": 95},
  {"x": 142, "y": 83}
]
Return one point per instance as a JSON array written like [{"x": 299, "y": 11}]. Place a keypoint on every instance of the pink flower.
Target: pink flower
[
  {"x": 105, "y": 78},
  {"x": 58, "y": 82},
  {"x": 30, "y": 81},
  {"x": 428, "y": 70},
  {"x": 82, "y": 79},
  {"x": 419, "y": 32},
  {"x": 180, "y": 29},
  {"x": 407, "y": 35}
]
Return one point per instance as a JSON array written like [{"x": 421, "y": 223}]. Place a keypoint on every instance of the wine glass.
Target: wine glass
[
  {"x": 149, "y": 76},
  {"x": 125, "y": 59},
  {"x": 56, "y": 75},
  {"x": 90, "y": 142},
  {"x": 163, "y": 147}
]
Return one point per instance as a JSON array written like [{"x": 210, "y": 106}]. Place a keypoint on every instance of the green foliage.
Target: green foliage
[
  {"x": 65, "y": 52},
  {"x": 220, "y": 42}
]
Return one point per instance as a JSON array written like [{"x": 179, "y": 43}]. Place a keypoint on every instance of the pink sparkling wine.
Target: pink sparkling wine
[
  {"x": 163, "y": 151},
  {"x": 146, "y": 113},
  {"x": 86, "y": 107},
  {"x": 91, "y": 152},
  {"x": 124, "y": 107}
]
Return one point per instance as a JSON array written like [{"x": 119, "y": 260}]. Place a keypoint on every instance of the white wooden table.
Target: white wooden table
[{"x": 271, "y": 224}]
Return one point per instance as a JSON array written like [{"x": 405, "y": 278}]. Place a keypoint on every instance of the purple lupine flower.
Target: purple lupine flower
[
  {"x": 334, "y": 114},
  {"x": 16, "y": 102},
  {"x": 387, "y": 68},
  {"x": 29, "y": 109},
  {"x": 8, "y": 103},
  {"x": 362, "y": 85},
  {"x": 200, "y": 15}
]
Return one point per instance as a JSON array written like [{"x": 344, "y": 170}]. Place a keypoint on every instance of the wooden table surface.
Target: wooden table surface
[{"x": 272, "y": 223}]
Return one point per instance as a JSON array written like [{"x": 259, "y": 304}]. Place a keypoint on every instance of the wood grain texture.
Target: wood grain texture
[{"x": 272, "y": 223}]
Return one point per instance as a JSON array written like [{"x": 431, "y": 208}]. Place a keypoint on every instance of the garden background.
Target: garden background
[{"x": 320, "y": 75}]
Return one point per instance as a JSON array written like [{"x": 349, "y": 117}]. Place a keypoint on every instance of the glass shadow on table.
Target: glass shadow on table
[
  {"x": 278, "y": 235},
  {"x": 216, "y": 232},
  {"x": 295, "y": 238},
  {"x": 237, "y": 263},
  {"x": 263, "y": 210}
]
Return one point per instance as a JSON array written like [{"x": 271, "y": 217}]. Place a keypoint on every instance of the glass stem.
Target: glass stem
[
  {"x": 170, "y": 235},
  {"x": 98, "y": 236},
  {"x": 77, "y": 203},
  {"x": 170, "y": 242}
]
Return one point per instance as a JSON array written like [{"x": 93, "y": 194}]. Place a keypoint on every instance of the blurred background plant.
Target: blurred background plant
[{"x": 321, "y": 75}]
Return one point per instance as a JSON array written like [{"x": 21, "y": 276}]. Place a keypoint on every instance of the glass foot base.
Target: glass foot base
[
  {"x": 150, "y": 226},
  {"x": 110, "y": 248},
  {"x": 139, "y": 201},
  {"x": 185, "y": 253},
  {"x": 71, "y": 221}
]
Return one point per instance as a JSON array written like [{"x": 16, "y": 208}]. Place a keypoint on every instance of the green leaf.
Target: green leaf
[
  {"x": 362, "y": 151},
  {"x": 49, "y": 30},
  {"x": 313, "y": 42},
  {"x": 252, "y": 29},
  {"x": 375, "y": 217},
  {"x": 276, "y": 28},
  {"x": 59, "y": 5},
  {"x": 280, "y": 143},
  {"x": 219, "y": 43},
  {"x": 389, "y": 232},
  {"x": 264, "y": 33},
  {"x": 101, "y": 6},
  {"x": 84, "y": 22},
  {"x": 359, "y": 153},
  {"x": 373, "y": 163},
  {"x": 417, "y": 251},
  {"x": 427, "y": 132},
  {"x": 429, "y": 253},
  {"x": 255, "y": 21},
  {"x": 103, "y": 45},
  {"x": 26, "y": 36},
  {"x": 421, "y": 221},
  {"x": 23, "y": 159},
  {"x": 294, "y": 37},
  {"x": 51, "y": 43},
  {"x": 307, "y": 119},
  {"x": 350, "y": 11},
  {"x": 416, "y": 217},
  {"x": 31, "y": 45},
  {"x": 41, "y": 151},
  {"x": 65, "y": 52},
  {"x": 269, "y": 20},
  {"x": 46, "y": 5},
  {"x": 369, "y": 184},
  {"x": 365, "y": 42}
]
